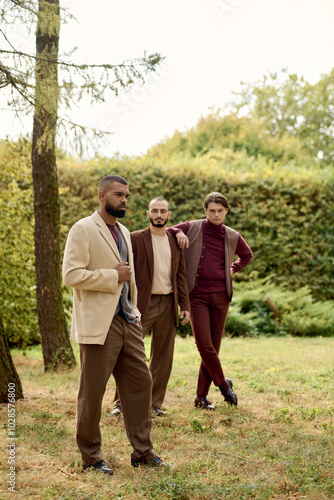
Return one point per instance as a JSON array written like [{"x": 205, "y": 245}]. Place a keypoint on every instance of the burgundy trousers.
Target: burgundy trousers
[{"x": 208, "y": 318}]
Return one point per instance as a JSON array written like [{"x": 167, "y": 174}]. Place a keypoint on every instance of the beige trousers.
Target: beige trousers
[
  {"x": 159, "y": 317},
  {"x": 122, "y": 355}
]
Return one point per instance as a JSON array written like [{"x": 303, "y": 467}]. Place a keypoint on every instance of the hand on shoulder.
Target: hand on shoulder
[{"x": 182, "y": 240}]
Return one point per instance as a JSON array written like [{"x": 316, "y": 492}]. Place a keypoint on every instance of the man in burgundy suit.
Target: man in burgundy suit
[
  {"x": 162, "y": 284},
  {"x": 210, "y": 247}
]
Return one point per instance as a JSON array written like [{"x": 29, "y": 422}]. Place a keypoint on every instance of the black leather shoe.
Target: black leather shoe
[
  {"x": 150, "y": 462},
  {"x": 100, "y": 466},
  {"x": 229, "y": 382},
  {"x": 230, "y": 396},
  {"x": 158, "y": 411},
  {"x": 117, "y": 411},
  {"x": 204, "y": 403}
]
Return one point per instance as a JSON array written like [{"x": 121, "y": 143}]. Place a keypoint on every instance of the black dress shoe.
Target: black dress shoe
[
  {"x": 230, "y": 396},
  {"x": 150, "y": 462},
  {"x": 117, "y": 411},
  {"x": 204, "y": 403},
  {"x": 100, "y": 466},
  {"x": 229, "y": 382},
  {"x": 158, "y": 411}
]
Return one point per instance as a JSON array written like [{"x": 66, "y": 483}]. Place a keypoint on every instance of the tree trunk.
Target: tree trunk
[
  {"x": 9, "y": 378},
  {"x": 56, "y": 346}
]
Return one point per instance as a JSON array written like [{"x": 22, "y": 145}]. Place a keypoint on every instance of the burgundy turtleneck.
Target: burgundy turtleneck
[{"x": 211, "y": 270}]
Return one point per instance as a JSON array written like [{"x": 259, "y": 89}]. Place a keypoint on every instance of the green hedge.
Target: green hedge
[
  {"x": 285, "y": 214},
  {"x": 18, "y": 307}
]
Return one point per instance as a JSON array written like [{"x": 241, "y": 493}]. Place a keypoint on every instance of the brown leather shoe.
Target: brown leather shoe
[{"x": 204, "y": 403}]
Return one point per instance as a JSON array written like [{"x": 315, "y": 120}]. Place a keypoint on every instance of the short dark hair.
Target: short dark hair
[
  {"x": 159, "y": 198},
  {"x": 108, "y": 179},
  {"x": 216, "y": 198}
]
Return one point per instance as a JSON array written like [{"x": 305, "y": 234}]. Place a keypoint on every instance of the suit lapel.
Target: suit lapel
[
  {"x": 105, "y": 233},
  {"x": 172, "y": 244},
  {"x": 146, "y": 234}
]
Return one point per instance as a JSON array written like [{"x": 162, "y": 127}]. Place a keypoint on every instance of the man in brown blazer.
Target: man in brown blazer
[
  {"x": 98, "y": 264},
  {"x": 162, "y": 285}
]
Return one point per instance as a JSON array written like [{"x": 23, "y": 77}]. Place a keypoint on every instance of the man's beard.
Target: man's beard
[
  {"x": 114, "y": 211},
  {"x": 158, "y": 224}
]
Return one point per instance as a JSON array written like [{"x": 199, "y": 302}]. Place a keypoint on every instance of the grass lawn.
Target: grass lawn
[{"x": 277, "y": 444}]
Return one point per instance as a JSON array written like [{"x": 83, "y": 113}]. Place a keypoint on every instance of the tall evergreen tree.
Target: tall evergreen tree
[{"x": 51, "y": 316}]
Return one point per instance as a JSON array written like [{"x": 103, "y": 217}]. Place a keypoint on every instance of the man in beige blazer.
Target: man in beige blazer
[{"x": 98, "y": 264}]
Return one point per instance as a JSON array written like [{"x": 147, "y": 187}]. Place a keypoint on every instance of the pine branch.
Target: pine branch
[{"x": 151, "y": 61}]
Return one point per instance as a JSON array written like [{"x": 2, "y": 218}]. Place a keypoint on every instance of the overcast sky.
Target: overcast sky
[{"x": 209, "y": 45}]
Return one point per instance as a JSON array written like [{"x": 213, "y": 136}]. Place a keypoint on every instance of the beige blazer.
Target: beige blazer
[{"x": 90, "y": 259}]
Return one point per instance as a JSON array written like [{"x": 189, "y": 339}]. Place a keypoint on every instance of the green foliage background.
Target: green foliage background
[
  {"x": 17, "y": 274},
  {"x": 283, "y": 208},
  {"x": 289, "y": 105},
  {"x": 285, "y": 213}
]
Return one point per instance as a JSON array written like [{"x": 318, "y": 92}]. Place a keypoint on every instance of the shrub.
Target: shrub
[
  {"x": 17, "y": 271},
  {"x": 285, "y": 213},
  {"x": 263, "y": 307}
]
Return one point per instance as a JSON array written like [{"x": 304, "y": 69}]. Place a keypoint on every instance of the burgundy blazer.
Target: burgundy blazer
[{"x": 144, "y": 268}]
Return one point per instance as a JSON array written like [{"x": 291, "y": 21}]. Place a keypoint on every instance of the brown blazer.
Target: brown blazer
[{"x": 144, "y": 268}]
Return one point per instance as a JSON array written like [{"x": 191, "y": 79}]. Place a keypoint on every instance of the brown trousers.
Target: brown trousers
[
  {"x": 122, "y": 355},
  {"x": 208, "y": 318},
  {"x": 160, "y": 318}
]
